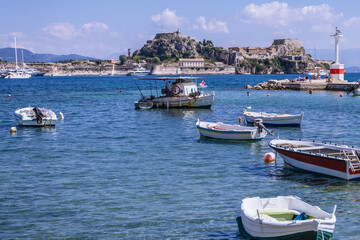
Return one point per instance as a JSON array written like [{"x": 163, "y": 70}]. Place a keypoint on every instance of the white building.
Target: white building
[{"x": 191, "y": 62}]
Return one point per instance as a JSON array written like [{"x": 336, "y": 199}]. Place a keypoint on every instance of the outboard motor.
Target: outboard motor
[
  {"x": 39, "y": 115},
  {"x": 258, "y": 123}
]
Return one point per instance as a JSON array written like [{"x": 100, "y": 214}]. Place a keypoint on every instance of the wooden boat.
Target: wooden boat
[
  {"x": 284, "y": 217},
  {"x": 220, "y": 130},
  {"x": 326, "y": 158},
  {"x": 179, "y": 92},
  {"x": 33, "y": 116},
  {"x": 273, "y": 119}
]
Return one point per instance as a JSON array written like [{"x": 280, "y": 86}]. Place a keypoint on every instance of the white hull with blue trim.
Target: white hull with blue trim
[
  {"x": 220, "y": 130},
  {"x": 35, "y": 117},
  {"x": 273, "y": 119}
]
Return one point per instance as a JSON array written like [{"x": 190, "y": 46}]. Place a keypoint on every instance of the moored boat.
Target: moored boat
[
  {"x": 220, "y": 130},
  {"x": 139, "y": 71},
  {"x": 273, "y": 119},
  {"x": 325, "y": 158},
  {"x": 179, "y": 92},
  {"x": 33, "y": 116},
  {"x": 284, "y": 217}
]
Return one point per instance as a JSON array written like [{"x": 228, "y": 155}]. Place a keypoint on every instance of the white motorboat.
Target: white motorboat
[
  {"x": 317, "y": 71},
  {"x": 284, "y": 217},
  {"x": 220, "y": 130},
  {"x": 139, "y": 71},
  {"x": 31, "y": 71},
  {"x": 179, "y": 92},
  {"x": 325, "y": 158},
  {"x": 33, "y": 116},
  {"x": 273, "y": 119}
]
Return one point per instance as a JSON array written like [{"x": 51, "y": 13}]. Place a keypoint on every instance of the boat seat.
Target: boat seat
[{"x": 280, "y": 215}]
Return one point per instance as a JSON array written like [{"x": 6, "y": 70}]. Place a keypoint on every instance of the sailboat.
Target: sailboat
[
  {"x": 17, "y": 73},
  {"x": 33, "y": 72}
]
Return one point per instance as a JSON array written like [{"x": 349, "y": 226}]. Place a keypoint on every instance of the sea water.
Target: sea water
[{"x": 108, "y": 171}]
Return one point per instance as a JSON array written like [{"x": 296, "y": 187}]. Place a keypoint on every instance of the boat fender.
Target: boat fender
[
  {"x": 269, "y": 157},
  {"x": 61, "y": 116}
]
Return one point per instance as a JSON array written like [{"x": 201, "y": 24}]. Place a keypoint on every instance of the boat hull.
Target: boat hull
[
  {"x": 219, "y": 133},
  {"x": 27, "y": 117},
  {"x": 308, "y": 235},
  {"x": 182, "y": 102},
  {"x": 292, "y": 121},
  {"x": 318, "y": 163},
  {"x": 33, "y": 123}
]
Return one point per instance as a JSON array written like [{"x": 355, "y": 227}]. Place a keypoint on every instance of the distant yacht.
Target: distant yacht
[
  {"x": 139, "y": 71},
  {"x": 33, "y": 72},
  {"x": 17, "y": 73}
]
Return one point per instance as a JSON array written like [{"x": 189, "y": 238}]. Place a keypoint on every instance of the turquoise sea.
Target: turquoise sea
[{"x": 108, "y": 171}]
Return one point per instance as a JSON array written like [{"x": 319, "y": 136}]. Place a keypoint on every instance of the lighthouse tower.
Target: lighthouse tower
[{"x": 337, "y": 69}]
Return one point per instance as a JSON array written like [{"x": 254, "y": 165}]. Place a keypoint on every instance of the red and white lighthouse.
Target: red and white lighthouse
[{"x": 337, "y": 69}]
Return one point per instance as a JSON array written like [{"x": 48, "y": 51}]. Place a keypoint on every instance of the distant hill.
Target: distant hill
[
  {"x": 8, "y": 54},
  {"x": 349, "y": 57}
]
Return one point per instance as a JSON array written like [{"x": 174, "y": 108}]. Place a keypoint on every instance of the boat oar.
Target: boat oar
[{"x": 224, "y": 102}]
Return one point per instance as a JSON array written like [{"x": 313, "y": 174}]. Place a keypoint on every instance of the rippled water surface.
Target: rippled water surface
[{"x": 108, "y": 171}]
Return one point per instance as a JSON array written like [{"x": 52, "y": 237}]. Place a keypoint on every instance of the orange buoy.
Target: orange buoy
[
  {"x": 121, "y": 90},
  {"x": 341, "y": 95},
  {"x": 268, "y": 95},
  {"x": 9, "y": 96},
  {"x": 269, "y": 157},
  {"x": 239, "y": 120}
]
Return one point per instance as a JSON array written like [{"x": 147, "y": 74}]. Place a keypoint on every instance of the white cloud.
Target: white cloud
[
  {"x": 352, "y": 22},
  {"x": 68, "y": 31},
  {"x": 323, "y": 28},
  {"x": 280, "y": 14},
  {"x": 22, "y": 41},
  {"x": 95, "y": 27},
  {"x": 169, "y": 18},
  {"x": 211, "y": 26},
  {"x": 65, "y": 31}
]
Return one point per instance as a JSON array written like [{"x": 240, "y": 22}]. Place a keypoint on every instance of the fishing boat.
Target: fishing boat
[
  {"x": 317, "y": 71},
  {"x": 320, "y": 157},
  {"x": 273, "y": 119},
  {"x": 220, "y": 130},
  {"x": 284, "y": 217},
  {"x": 34, "y": 116},
  {"x": 179, "y": 92}
]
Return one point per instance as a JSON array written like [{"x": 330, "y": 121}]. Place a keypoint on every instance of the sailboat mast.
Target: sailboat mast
[
  {"x": 22, "y": 54},
  {"x": 16, "y": 66}
]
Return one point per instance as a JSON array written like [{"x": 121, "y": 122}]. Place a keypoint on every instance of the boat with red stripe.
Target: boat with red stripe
[{"x": 320, "y": 157}]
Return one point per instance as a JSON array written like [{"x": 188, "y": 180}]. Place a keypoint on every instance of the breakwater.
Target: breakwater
[{"x": 320, "y": 84}]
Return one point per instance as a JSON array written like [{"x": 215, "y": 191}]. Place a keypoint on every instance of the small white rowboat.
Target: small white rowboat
[
  {"x": 220, "y": 130},
  {"x": 326, "y": 158},
  {"x": 274, "y": 119},
  {"x": 33, "y": 116},
  {"x": 284, "y": 217}
]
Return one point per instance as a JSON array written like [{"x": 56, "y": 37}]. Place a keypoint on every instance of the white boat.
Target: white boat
[
  {"x": 220, "y": 130},
  {"x": 17, "y": 73},
  {"x": 357, "y": 92},
  {"x": 33, "y": 72},
  {"x": 273, "y": 119},
  {"x": 179, "y": 92},
  {"x": 139, "y": 71},
  {"x": 284, "y": 217},
  {"x": 317, "y": 71},
  {"x": 320, "y": 157},
  {"x": 33, "y": 116},
  {"x": 202, "y": 85}
]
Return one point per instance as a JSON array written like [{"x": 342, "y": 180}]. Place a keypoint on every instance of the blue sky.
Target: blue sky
[{"x": 102, "y": 28}]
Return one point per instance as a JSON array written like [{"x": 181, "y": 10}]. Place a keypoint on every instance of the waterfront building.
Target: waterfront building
[{"x": 191, "y": 62}]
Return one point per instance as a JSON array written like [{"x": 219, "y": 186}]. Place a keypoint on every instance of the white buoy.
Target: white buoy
[
  {"x": 249, "y": 107},
  {"x": 13, "y": 129},
  {"x": 269, "y": 157},
  {"x": 61, "y": 116}
]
